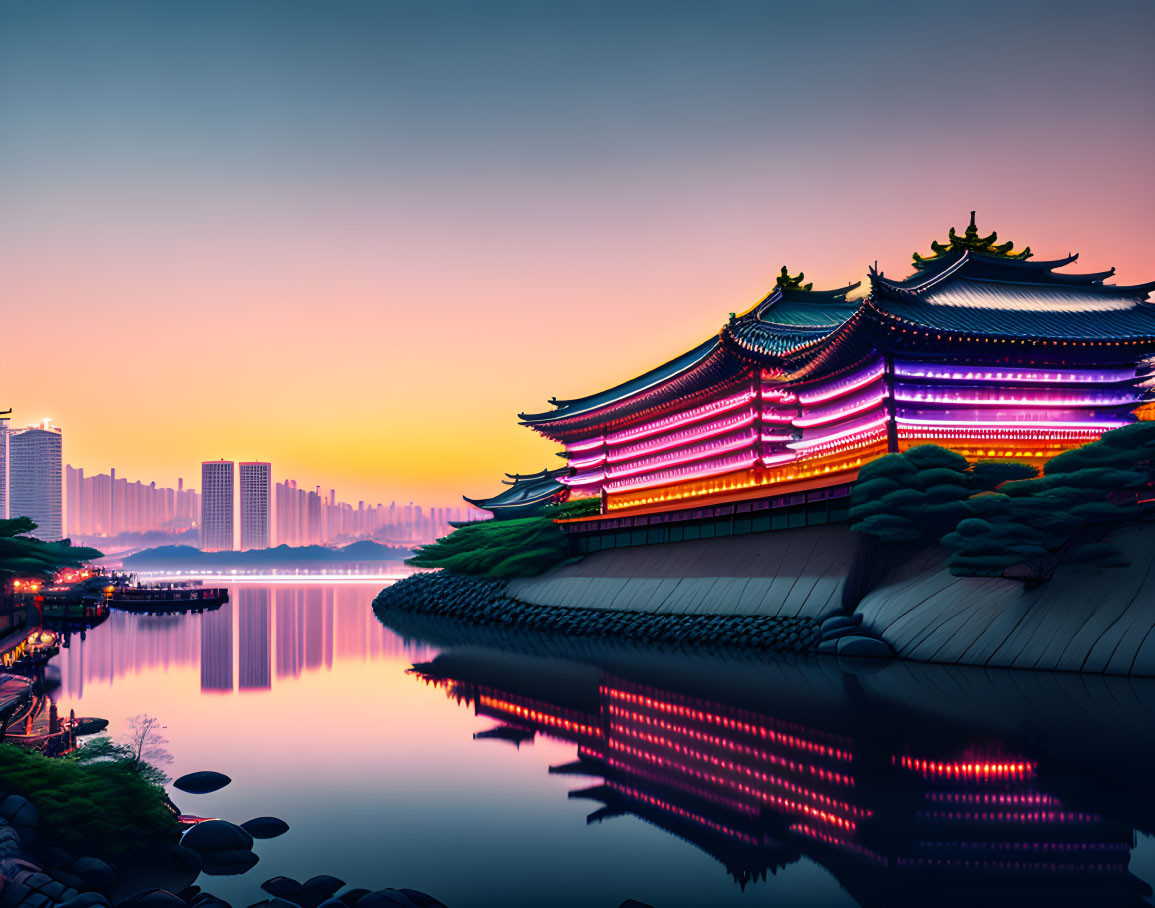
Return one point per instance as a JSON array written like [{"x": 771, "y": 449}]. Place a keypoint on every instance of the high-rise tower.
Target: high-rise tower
[
  {"x": 36, "y": 478},
  {"x": 217, "y": 506},
  {"x": 256, "y": 479}
]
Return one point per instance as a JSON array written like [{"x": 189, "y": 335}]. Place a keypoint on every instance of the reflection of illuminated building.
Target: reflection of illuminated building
[
  {"x": 253, "y": 639},
  {"x": 273, "y": 627},
  {"x": 217, "y": 649},
  {"x": 757, "y": 793}
]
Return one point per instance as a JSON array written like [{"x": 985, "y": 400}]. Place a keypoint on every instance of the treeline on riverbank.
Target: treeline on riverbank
[{"x": 185, "y": 557}]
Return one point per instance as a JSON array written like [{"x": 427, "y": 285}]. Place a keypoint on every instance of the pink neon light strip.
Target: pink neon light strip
[
  {"x": 687, "y": 455},
  {"x": 775, "y": 459},
  {"x": 586, "y": 445},
  {"x": 843, "y": 386},
  {"x": 680, "y": 419},
  {"x": 710, "y": 468},
  {"x": 583, "y": 480},
  {"x": 1064, "y": 376},
  {"x": 684, "y": 437},
  {"x": 845, "y": 433},
  {"x": 588, "y": 462}
]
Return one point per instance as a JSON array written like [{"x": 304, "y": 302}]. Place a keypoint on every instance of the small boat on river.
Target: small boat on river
[{"x": 167, "y": 598}]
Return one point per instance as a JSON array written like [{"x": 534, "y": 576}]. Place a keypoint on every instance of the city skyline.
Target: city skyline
[{"x": 411, "y": 243}]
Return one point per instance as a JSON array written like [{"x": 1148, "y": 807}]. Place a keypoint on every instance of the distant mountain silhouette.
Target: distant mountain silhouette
[{"x": 183, "y": 557}]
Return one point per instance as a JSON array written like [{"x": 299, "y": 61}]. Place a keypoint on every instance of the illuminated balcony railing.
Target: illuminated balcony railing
[
  {"x": 1046, "y": 397},
  {"x": 682, "y": 456},
  {"x": 987, "y": 374},
  {"x": 684, "y": 418},
  {"x": 683, "y": 437}
]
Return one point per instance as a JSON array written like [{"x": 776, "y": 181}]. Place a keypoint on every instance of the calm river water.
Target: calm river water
[{"x": 618, "y": 772}]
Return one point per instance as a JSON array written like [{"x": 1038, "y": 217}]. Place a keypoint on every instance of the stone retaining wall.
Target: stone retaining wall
[{"x": 486, "y": 603}]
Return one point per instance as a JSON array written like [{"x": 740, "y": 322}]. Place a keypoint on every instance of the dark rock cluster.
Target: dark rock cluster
[
  {"x": 482, "y": 601},
  {"x": 54, "y": 878},
  {"x": 320, "y": 892}
]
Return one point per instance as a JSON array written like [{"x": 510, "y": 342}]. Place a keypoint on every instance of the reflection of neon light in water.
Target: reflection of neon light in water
[
  {"x": 975, "y": 771},
  {"x": 661, "y": 804},
  {"x": 759, "y": 727}
]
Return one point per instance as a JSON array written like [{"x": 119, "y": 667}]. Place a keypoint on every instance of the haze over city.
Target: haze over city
[{"x": 358, "y": 244}]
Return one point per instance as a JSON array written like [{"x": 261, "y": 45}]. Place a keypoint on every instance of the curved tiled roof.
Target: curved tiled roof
[
  {"x": 975, "y": 294},
  {"x": 635, "y": 386},
  {"x": 525, "y": 491}
]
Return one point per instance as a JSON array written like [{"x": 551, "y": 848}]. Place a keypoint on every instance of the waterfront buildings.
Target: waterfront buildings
[
  {"x": 108, "y": 505},
  {"x": 982, "y": 349},
  {"x": 217, "y": 506},
  {"x": 308, "y": 517},
  {"x": 256, "y": 486},
  {"x": 35, "y": 478}
]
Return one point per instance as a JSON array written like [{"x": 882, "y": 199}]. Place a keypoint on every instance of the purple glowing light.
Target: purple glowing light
[
  {"x": 1099, "y": 425},
  {"x": 1043, "y": 398},
  {"x": 1058, "y": 376}
]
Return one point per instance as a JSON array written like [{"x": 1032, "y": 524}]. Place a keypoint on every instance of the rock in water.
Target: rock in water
[
  {"x": 217, "y": 835},
  {"x": 229, "y": 862},
  {"x": 155, "y": 898},
  {"x": 202, "y": 782},
  {"x": 282, "y": 887},
  {"x": 421, "y": 899},
  {"x": 870, "y": 647},
  {"x": 265, "y": 827}
]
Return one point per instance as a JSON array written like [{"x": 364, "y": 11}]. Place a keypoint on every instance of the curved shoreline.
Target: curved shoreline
[{"x": 482, "y": 602}]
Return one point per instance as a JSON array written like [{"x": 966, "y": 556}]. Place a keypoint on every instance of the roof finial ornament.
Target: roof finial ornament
[
  {"x": 970, "y": 241},
  {"x": 786, "y": 282}
]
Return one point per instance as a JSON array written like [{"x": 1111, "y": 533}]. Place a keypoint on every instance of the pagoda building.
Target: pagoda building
[{"x": 982, "y": 349}]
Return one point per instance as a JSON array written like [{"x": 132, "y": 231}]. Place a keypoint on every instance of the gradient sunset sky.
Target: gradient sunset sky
[{"x": 356, "y": 238}]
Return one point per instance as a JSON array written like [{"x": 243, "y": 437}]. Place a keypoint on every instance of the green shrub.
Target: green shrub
[
  {"x": 107, "y": 809},
  {"x": 524, "y": 547}
]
